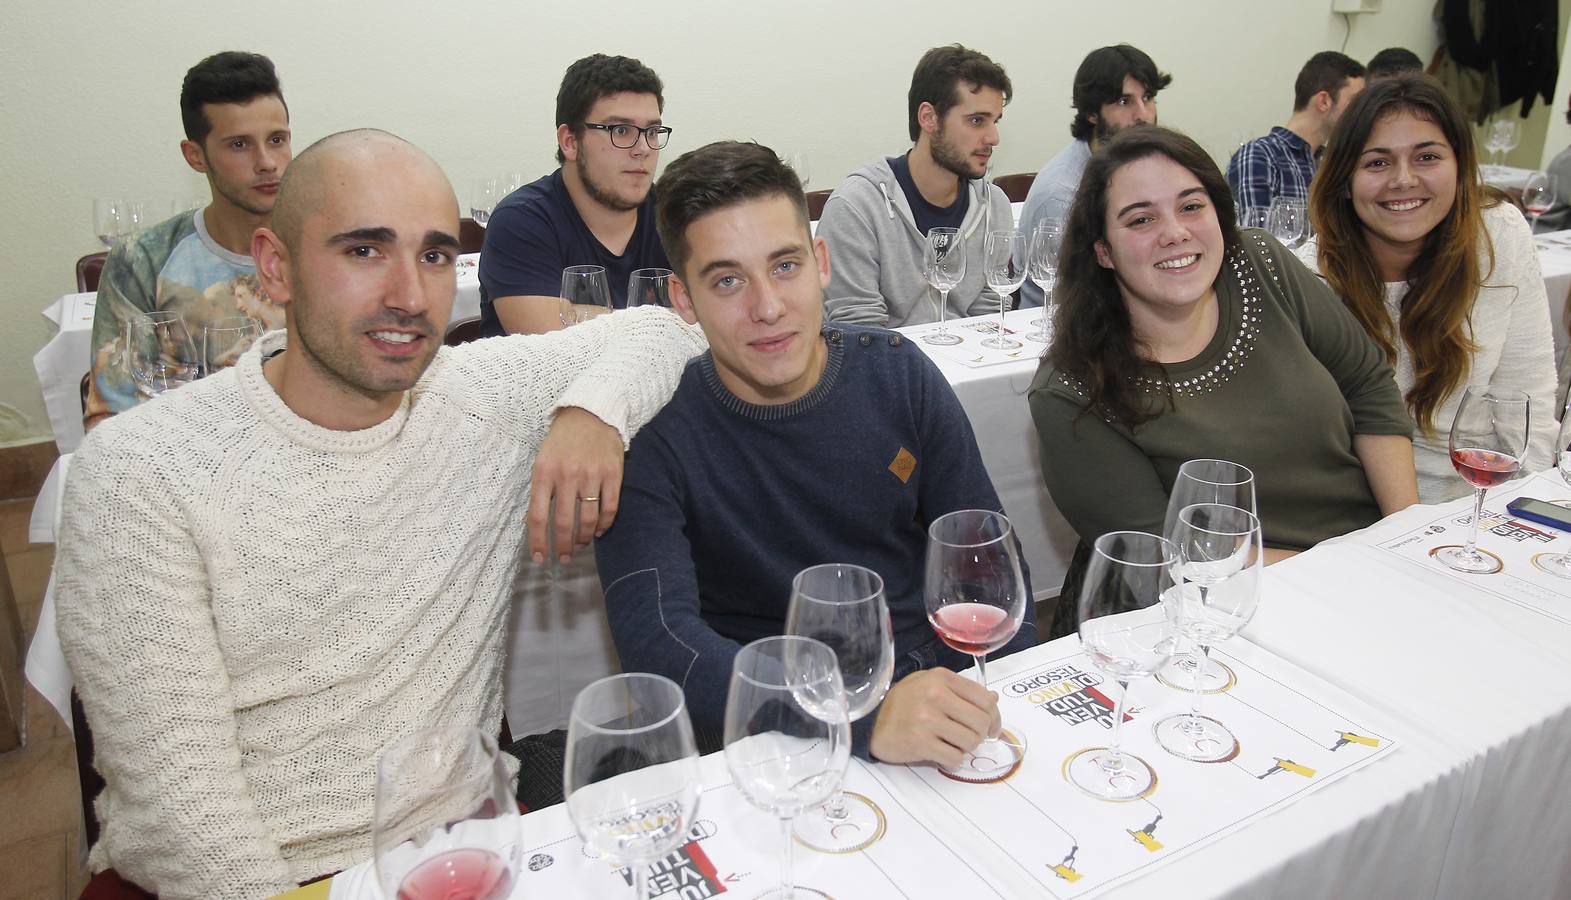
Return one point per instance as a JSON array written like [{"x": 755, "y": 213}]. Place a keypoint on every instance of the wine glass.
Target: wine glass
[
  {"x": 802, "y": 166},
  {"x": 1510, "y": 136},
  {"x": 446, "y": 821},
  {"x": 159, "y": 352},
  {"x": 649, "y": 287},
  {"x": 483, "y": 199},
  {"x": 1559, "y": 564},
  {"x": 223, "y": 340},
  {"x": 787, "y": 733},
  {"x": 111, "y": 221},
  {"x": 1046, "y": 240},
  {"x": 944, "y": 263},
  {"x": 1204, "y": 481},
  {"x": 1004, "y": 275},
  {"x": 1493, "y": 142},
  {"x": 1538, "y": 195},
  {"x": 585, "y": 294},
  {"x": 631, "y": 773},
  {"x": 976, "y": 599},
  {"x": 843, "y": 607},
  {"x": 1488, "y": 438},
  {"x": 1254, "y": 217},
  {"x": 1127, "y": 635},
  {"x": 1286, "y": 219},
  {"x": 1220, "y": 555}
]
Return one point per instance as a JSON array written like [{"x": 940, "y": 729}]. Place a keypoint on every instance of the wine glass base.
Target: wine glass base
[
  {"x": 1456, "y": 558},
  {"x": 995, "y": 759},
  {"x": 796, "y": 893},
  {"x": 1086, "y": 770},
  {"x": 1217, "y": 678},
  {"x": 1002, "y": 343},
  {"x": 1556, "y": 564},
  {"x": 861, "y": 827},
  {"x": 941, "y": 339},
  {"x": 1196, "y": 738},
  {"x": 1041, "y": 337}
]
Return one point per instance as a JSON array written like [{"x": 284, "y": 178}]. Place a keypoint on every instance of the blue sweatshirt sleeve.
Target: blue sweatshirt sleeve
[{"x": 651, "y": 588}]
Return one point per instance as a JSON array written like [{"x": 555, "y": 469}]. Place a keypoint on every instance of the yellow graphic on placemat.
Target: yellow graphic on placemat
[
  {"x": 904, "y": 464},
  {"x": 1146, "y": 840},
  {"x": 1287, "y": 765},
  {"x": 1066, "y": 873},
  {"x": 1348, "y": 737}
]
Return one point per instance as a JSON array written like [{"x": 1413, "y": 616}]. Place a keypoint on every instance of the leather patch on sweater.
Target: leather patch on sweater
[{"x": 904, "y": 464}]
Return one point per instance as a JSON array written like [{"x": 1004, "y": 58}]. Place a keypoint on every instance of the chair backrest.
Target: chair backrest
[
  {"x": 471, "y": 236},
  {"x": 1015, "y": 187},
  {"x": 815, "y": 204},
  {"x": 88, "y": 268},
  {"x": 462, "y": 331}
]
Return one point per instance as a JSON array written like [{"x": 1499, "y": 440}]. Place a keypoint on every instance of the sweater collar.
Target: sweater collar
[
  {"x": 272, "y": 410},
  {"x": 834, "y": 338}
]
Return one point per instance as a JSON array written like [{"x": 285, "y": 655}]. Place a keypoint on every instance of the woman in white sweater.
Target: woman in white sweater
[{"x": 1448, "y": 285}]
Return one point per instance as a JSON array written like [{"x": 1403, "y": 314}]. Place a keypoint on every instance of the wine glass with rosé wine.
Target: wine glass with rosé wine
[
  {"x": 1488, "y": 438},
  {"x": 976, "y": 599},
  {"x": 446, "y": 821}
]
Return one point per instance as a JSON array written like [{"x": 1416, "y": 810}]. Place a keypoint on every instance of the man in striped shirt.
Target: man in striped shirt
[{"x": 1282, "y": 163}]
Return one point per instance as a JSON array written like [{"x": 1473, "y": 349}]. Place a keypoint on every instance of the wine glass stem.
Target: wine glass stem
[
  {"x": 1003, "y": 306},
  {"x": 835, "y": 809},
  {"x": 640, "y": 881},
  {"x": 981, "y": 669},
  {"x": 1202, "y": 654},
  {"x": 943, "y": 310},
  {"x": 1472, "y": 529},
  {"x": 787, "y": 886},
  {"x": 1116, "y": 756}
]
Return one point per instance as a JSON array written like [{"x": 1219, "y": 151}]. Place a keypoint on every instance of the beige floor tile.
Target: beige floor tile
[
  {"x": 35, "y": 869},
  {"x": 29, "y": 576},
  {"x": 14, "y": 518},
  {"x": 41, "y": 792}
]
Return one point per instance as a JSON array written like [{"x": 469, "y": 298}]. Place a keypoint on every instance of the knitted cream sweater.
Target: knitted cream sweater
[{"x": 255, "y": 607}]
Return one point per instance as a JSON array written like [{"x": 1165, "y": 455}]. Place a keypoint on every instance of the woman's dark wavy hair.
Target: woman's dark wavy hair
[{"x": 1093, "y": 339}]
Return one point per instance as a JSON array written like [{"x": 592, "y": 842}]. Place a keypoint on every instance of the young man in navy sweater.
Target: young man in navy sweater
[{"x": 787, "y": 445}]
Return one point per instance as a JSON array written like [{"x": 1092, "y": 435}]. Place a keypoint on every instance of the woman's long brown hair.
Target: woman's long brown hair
[{"x": 1445, "y": 277}]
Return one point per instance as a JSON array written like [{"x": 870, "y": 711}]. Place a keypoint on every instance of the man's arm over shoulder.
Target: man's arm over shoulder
[
  {"x": 651, "y": 588},
  {"x": 137, "y": 628},
  {"x": 854, "y": 293}
]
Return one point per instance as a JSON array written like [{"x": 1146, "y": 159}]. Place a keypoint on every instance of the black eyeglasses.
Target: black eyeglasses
[{"x": 625, "y": 136}]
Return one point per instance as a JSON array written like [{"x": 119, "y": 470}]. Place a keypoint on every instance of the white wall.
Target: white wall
[{"x": 89, "y": 105}]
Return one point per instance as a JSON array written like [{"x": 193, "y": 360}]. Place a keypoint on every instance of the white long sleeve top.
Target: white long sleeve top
[
  {"x": 1510, "y": 324},
  {"x": 255, "y": 607}
]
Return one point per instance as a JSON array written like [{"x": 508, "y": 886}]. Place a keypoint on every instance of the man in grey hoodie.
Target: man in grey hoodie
[{"x": 876, "y": 222}]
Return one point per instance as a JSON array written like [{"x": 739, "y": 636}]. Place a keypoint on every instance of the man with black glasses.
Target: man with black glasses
[{"x": 598, "y": 208}]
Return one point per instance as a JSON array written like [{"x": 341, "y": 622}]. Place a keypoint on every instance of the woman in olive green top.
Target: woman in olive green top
[{"x": 1178, "y": 337}]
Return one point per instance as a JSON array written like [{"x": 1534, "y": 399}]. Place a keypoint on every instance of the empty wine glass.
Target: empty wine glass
[
  {"x": 631, "y": 774},
  {"x": 1538, "y": 195},
  {"x": 111, "y": 221},
  {"x": 160, "y": 354},
  {"x": 1488, "y": 438},
  {"x": 1002, "y": 248},
  {"x": 1494, "y": 141},
  {"x": 483, "y": 199},
  {"x": 1254, "y": 217},
  {"x": 787, "y": 734},
  {"x": 843, "y": 607},
  {"x": 649, "y": 287},
  {"x": 1287, "y": 221},
  {"x": 802, "y": 166},
  {"x": 1510, "y": 135},
  {"x": 1127, "y": 635},
  {"x": 585, "y": 294},
  {"x": 223, "y": 340},
  {"x": 944, "y": 264},
  {"x": 1220, "y": 555},
  {"x": 446, "y": 822},
  {"x": 976, "y": 598},
  {"x": 1046, "y": 240}
]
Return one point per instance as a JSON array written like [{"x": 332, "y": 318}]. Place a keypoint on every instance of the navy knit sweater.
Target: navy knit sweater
[{"x": 723, "y": 502}]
